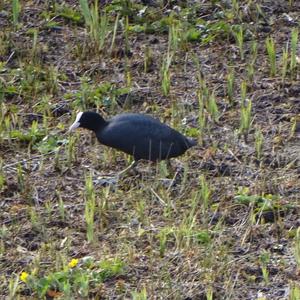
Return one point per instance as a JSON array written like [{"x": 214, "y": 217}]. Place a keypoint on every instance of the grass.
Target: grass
[
  {"x": 245, "y": 113},
  {"x": 219, "y": 222},
  {"x": 294, "y": 42},
  {"x": 259, "y": 139},
  {"x": 238, "y": 33},
  {"x": 96, "y": 23},
  {"x": 166, "y": 74},
  {"x": 201, "y": 117},
  {"x": 16, "y": 9},
  {"x": 284, "y": 63},
  {"x": 271, "y": 50},
  {"x": 75, "y": 278},
  {"x": 90, "y": 207},
  {"x": 230, "y": 87}
]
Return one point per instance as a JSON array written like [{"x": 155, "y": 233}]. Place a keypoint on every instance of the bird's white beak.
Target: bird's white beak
[{"x": 76, "y": 124}]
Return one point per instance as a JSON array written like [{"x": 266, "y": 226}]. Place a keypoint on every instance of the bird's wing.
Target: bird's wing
[
  {"x": 142, "y": 136},
  {"x": 122, "y": 135}
]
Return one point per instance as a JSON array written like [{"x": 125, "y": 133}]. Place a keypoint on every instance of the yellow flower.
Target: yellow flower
[
  {"x": 24, "y": 276},
  {"x": 73, "y": 263}
]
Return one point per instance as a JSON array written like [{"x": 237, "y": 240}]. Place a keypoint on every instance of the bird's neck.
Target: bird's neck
[{"x": 96, "y": 127}]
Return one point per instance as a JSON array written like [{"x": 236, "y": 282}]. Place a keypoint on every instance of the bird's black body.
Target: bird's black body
[{"x": 137, "y": 134}]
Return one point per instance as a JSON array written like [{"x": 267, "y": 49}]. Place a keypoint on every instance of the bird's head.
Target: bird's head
[{"x": 89, "y": 120}]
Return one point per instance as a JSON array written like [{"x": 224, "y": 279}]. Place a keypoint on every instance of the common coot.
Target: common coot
[{"x": 139, "y": 135}]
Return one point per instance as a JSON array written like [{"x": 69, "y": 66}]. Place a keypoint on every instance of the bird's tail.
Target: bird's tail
[{"x": 191, "y": 142}]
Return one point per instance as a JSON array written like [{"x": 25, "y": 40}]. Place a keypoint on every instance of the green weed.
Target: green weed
[
  {"x": 253, "y": 52},
  {"x": 166, "y": 74},
  {"x": 35, "y": 218},
  {"x": 75, "y": 279},
  {"x": 114, "y": 33},
  {"x": 97, "y": 23},
  {"x": 261, "y": 204},
  {"x": 16, "y": 9},
  {"x": 67, "y": 13},
  {"x": 245, "y": 119},
  {"x": 174, "y": 37},
  {"x": 244, "y": 88},
  {"x": 238, "y": 33},
  {"x": 103, "y": 204},
  {"x": 126, "y": 36},
  {"x": 236, "y": 8},
  {"x": 250, "y": 72},
  {"x": 297, "y": 248},
  {"x": 20, "y": 177},
  {"x": 201, "y": 116},
  {"x": 209, "y": 293},
  {"x": 264, "y": 260},
  {"x": 294, "y": 45},
  {"x": 212, "y": 107},
  {"x": 259, "y": 140},
  {"x": 163, "y": 238},
  {"x": 34, "y": 48},
  {"x": 61, "y": 206},
  {"x": 142, "y": 295},
  {"x": 204, "y": 192},
  {"x": 294, "y": 291},
  {"x": 71, "y": 153},
  {"x": 271, "y": 50},
  {"x": 230, "y": 86},
  {"x": 2, "y": 175},
  {"x": 284, "y": 63},
  {"x": 13, "y": 288},
  {"x": 294, "y": 123},
  {"x": 90, "y": 205},
  {"x": 148, "y": 59}
]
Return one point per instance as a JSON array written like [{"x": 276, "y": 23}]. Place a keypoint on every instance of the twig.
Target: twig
[
  {"x": 28, "y": 159},
  {"x": 233, "y": 155},
  {"x": 158, "y": 197}
]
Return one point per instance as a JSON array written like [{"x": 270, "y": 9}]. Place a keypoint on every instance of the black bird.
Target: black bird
[{"x": 139, "y": 135}]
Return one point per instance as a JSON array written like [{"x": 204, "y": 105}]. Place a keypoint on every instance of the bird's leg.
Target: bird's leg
[
  {"x": 132, "y": 165},
  {"x": 113, "y": 180}
]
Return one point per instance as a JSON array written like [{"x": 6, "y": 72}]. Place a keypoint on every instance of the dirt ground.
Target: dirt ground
[{"x": 238, "y": 243}]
